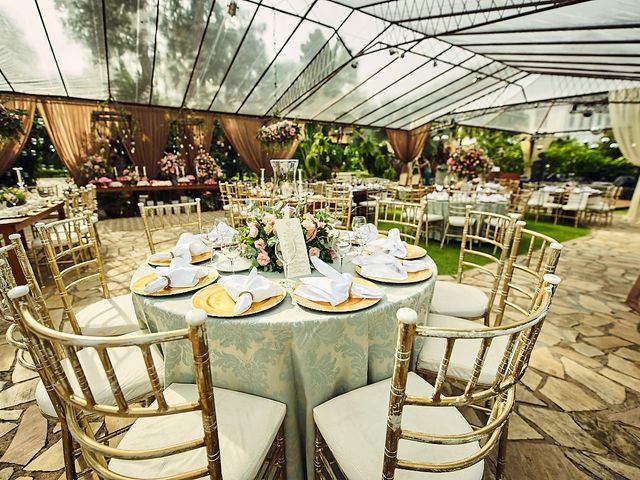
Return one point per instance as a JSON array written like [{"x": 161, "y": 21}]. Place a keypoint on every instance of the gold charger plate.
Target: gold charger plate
[
  {"x": 412, "y": 277},
  {"x": 414, "y": 252},
  {"x": 350, "y": 305},
  {"x": 137, "y": 286},
  {"x": 194, "y": 259},
  {"x": 217, "y": 303}
]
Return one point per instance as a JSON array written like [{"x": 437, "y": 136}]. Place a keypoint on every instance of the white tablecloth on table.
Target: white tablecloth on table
[{"x": 296, "y": 356}]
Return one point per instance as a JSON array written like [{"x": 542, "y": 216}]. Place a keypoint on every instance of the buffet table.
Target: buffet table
[{"x": 297, "y": 356}]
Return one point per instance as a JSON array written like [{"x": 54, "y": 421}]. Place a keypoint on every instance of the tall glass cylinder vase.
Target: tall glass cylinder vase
[{"x": 284, "y": 177}]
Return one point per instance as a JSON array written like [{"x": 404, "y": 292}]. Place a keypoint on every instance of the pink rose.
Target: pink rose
[
  {"x": 308, "y": 224},
  {"x": 311, "y": 234},
  {"x": 268, "y": 218},
  {"x": 314, "y": 252},
  {"x": 332, "y": 254},
  {"x": 253, "y": 230},
  {"x": 269, "y": 227},
  {"x": 263, "y": 259},
  {"x": 260, "y": 245},
  {"x": 292, "y": 211}
]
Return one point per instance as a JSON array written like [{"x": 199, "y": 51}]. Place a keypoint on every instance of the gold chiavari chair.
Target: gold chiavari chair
[
  {"x": 407, "y": 217},
  {"x": 525, "y": 271},
  {"x": 454, "y": 219},
  {"x": 74, "y": 260},
  {"x": 188, "y": 431},
  {"x": 519, "y": 202},
  {"x": 602, "y": 208},
  {"x": 574, "y": 208},
  {"x": 242, "y": 208},
  {"x": 488, "y": 230},
  {"x": 339, "y": 208},
  {"x": 176, "y": 216},
  {"x": 433, "y": 435}
]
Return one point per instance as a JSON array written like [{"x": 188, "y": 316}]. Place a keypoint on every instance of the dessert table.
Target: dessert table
[{"x": 290, "y": 354}]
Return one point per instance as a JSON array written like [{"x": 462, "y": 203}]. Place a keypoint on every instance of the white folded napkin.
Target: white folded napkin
[
  {"x": 382, "y": 265},
  {"x": 393, "y": 244},
  {"x": 334, "y": 287},
  {"x": 246, "y": 289},
  {"x": 180, "y": 273},
  {"x": 222, "y": 233},
  {"x": 439, "y": 196},
  {"x": 188, "y": 245}
]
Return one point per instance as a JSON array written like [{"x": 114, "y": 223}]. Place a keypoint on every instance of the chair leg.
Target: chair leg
[
  {"x": 502, "y": 452},
  {"x": 282, "y": 455},
  {"x": 317, "y": 460},
  {"x": 444, "y": 234},
  {"x": 67, "y": 452}
]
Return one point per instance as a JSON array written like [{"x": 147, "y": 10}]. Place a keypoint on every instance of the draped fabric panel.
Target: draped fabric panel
[
  {"x": 624, "y": 110},
  {"x": 407, "y": 145},
  {"x": 69, "y": 127},
  {"x": 10, "y": 149},
  {"x": 194, "y": 137},
  {"x": 241, "y": 133},
  {"x": 151, "y": 137}
]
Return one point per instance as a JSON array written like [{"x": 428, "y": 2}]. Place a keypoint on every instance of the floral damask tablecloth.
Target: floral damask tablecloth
[{"x": 296, "y": 356}]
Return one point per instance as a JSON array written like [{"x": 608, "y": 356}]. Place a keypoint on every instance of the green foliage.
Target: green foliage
[
  {"x": 226, "y": 157},
  {"x": 390, "y": 174},
  {"x": 567, "y": 156},
  {"x": 501, "y": 147}
]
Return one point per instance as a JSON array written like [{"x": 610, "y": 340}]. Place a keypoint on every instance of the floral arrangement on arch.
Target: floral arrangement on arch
[
  {"x": 206, "y": 167},
  {"x": 94, "y": 168},
  {"x": 13, "y": 196},
  {"x": 279, "y": 133},
  {"x": 171, "y": 165},
  {"x": 469, "y": 162},
  {"x": 258, "y": 237},
  {"x": 10, "y": 124}
]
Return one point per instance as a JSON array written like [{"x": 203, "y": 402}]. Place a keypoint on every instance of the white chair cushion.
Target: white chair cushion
[
  {"x": 457, "y": 221},
  {"x": 247, "y": 426},
  {"x": 464, "y": 351},
  {"x": 129, "y": 367},
  {"x": 601, "y": 207},
  {"x": 109, "y": 316},
  {"x": 552, "y": 205},
  {"x": 368, "y": 203},
  {"x": 458, "y": 300},
  {"x": 354, "y": 427},
  {"x": 434, "y": 217}
]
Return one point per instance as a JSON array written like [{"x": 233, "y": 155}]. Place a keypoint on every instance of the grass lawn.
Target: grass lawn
[{"x": 447, "y": 257}]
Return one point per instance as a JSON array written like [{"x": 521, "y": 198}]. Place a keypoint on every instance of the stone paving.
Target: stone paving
[{"x": 578, "y": 412}]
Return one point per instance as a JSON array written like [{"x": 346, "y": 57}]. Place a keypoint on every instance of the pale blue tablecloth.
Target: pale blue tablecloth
[{"x": 296, "y": 356}]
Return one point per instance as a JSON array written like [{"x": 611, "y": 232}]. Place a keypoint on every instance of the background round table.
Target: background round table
[
  {"x": 441, "y": 207},
  {"x": 290, "y": 354}
]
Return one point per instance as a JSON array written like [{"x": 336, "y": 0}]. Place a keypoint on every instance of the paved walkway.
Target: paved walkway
[{"x": 578, "y": 414}]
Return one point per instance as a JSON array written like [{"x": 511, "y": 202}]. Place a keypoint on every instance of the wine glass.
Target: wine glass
[
  {"x": 286, "y": 260},
  {"x": 358, "y": 225},
  {"x": 231, "y": 249},
  {"x": 209, "y": 243},
  {"x": 341, "y": 245}
]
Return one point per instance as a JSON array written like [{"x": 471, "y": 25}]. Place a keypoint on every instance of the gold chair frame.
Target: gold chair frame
[
  {"x": 408, "y": 217},
  {"x": 178, "y": 216},
  {"x": 80, "y": 411},
  {"x": 541, "y": 257},
  {"x": 339, "y": 208},
  {"x": 610, "y": 200},
  {"x": 481, "y": 230},
  {"x": 500, "y": 394},
  {"x": 73, "y": 240}
]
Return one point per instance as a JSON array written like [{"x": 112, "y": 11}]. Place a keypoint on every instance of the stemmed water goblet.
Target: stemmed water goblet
[
  {"x": 341, "y": 245},
  {"x": 231, "y": 249},
  {"x": 358, "y": 227}
]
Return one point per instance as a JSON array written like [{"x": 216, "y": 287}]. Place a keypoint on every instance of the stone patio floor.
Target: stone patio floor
[{"x": 578, "y": 412}]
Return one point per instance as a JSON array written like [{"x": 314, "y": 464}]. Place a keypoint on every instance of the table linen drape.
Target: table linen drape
[{"x": 624, "y": 109}]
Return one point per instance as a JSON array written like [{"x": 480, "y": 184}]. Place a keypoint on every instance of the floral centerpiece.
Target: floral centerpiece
[
  {"x": 279, "y": 133},
  {"x": 258, "y": 238},
  {"x": 128, "y": 176},
  {"x": 469, "y": 162},
  {"x": 206, "y": 167},
  {"x": 171, "y": 166},
  {"x": 94, "y": 167},
  {"x": 13, "y": 196},
  {"x": 10, "y": 124}
]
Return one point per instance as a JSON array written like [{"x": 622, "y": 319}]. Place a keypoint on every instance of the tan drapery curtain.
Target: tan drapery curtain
[
  {"x": 408, "y": 144},
  {"x": 241, "y": 132},
  {"x": 624, "y": 109},
  {"x": 69, "y": 128},
  {"x": 193, "y": 138},
  {"x": 150, "y": 139},
  {"x": 10, "y": 149}
]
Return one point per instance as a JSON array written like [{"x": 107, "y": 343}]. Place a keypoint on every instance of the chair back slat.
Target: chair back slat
[
  {"x": 407, "y": 217},
  {"x": 175, "y": 216}
]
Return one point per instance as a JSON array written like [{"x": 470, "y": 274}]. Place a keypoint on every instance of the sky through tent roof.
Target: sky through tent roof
[{"x": 397, "y": 64}]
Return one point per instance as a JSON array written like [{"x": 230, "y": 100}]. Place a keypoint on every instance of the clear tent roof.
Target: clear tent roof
[{"x": 397, "y": 64}]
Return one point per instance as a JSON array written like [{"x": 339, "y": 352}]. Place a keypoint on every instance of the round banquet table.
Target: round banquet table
[
  {"x": 441, "y": 207},
  {"x": 299, "y": 357}
]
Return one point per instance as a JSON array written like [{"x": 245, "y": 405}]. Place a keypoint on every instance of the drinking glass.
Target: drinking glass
[
  {"x": 286, "y": 260},
  {"x": 341, "y": 245},
  {"x": 209, "y": 243},
  {"x": 231, "y": 250},
  {"x": 358, "y": 226}
]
